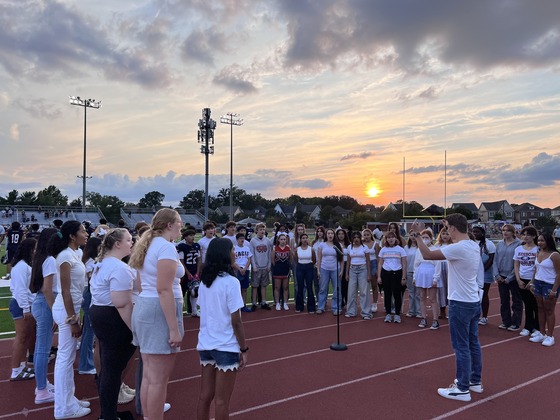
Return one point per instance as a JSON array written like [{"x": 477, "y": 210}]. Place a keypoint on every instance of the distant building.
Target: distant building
[
  {"x": 488, "y": 211},
  {"x": 528, "y": 212}
]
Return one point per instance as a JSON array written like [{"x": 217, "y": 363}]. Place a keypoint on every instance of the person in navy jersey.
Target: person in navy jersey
[
  {"x": 15, "y": 236},
  {"x": 190, "y": 256}
]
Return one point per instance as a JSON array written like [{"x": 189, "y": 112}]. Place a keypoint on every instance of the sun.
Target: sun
[{"x": 373, "y": 192}]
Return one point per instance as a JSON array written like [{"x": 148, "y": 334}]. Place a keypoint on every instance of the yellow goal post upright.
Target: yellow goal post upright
[{"x": 424, "y": 219}]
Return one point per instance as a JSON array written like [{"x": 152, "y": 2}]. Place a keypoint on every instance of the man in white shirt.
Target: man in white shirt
[{"x": 463, "y": 257}]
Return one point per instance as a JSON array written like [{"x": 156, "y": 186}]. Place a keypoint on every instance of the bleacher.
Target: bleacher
[
  {"x": 45, "y": 216},
  {"x": 133, "y": 215}
]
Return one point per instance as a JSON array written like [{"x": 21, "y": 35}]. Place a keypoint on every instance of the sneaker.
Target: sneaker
[
  {"x": 83, "y": 403},
  {"x": 503, "y": 327},
  {"x": 538, "y": 338},
  {"x": 254, "y": 307},
  {"x": 483, "y": 321},
  {"x": 535, "y": 333},
  {"x": 335, "y": 313},
  {"x": 44, "y": 395},
  {"x": 409, "y": 315},
  {"x": 387, "y": 318},
  {"x": 278, "y": 307},
  {"x": 265, "y": 306},
  {"x": 82, "y": 412},
  {"x": 374, "y": 307},
  {"x": 397, "y": 319},
  {"x": 525, "y": 332},
  {"x": 366, "y": 317},
  {"x": 435, "y": 325},
  {"x": 124, "y": 398},
  {"x": 478, "y": 388},
  {"x": 87, "y": 372},
  {"x": 319, "y": 311},
  {"x": 49, "y": 387},
  {"x": 548, "y": 341},
  {"x": 347, "y": 315},
  {"x": 422, "y": 323},
  {"x": 286, "y": 307},
  {"x": 454, "y": 393},
  {"x": 298, "y": 311},
  {"x": 513, "y": 328},
  {"x": 245, "y": 309},
  {"x": 128, "y": 390},
  {"x": 166, "y": 407}
]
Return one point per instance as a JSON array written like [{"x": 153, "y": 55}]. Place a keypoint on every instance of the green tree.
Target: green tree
[
  {"x": 546, "y": 223},
  {"x": 27, "y": 198},
  {"x": 52, "y": 196},
  {"x": 462, "y": 210},
  {"x": 109, "y": 205},
  {"x": 151, "y": 199},
  {"x": 193, "y": 200},
  {"x": 11, "y": 198}
]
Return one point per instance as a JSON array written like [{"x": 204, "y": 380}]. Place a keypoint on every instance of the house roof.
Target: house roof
[
  {"x": 493, "y": 205},
  {"x": 527, "y": 207},
  {"x": 308, "y": 208},
  {"x": 468, "y": 206}
]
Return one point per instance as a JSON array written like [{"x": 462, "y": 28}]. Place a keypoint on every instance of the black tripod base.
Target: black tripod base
[{"x": 339, "y": 347}]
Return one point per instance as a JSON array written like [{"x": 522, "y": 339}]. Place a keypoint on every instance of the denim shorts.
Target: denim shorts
[
  {"x": 222, "y": 360},
  {"x": 15, "y": 310},
  {"x": 243, "y": 279},
  {"x": 543, "y": 289}
]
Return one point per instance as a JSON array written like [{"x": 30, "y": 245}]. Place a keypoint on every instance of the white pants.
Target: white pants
[{"x": 65, "y": 403}]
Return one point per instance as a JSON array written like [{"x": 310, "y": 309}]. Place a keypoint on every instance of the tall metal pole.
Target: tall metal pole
[
  {"x": 84, "y": 173},
  {"x": 206, "y": 127},
  {"x": 231, "y": 119},
  {"x": 85, "y": 103}
]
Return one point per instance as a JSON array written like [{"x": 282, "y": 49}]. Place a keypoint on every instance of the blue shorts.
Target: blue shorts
[
  {"x": 543, "y": 289},
  {"x": 15, "y": 310},
  {"x": 222, "y": 360},
  {"x": 243, "y": 279}
]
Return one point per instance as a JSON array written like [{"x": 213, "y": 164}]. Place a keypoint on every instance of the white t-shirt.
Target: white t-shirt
[
  {"x": 232, "y": 238},
  {"x": 526, "y": 260},
  {"x": 463, "y": 267},
  {"x": 204, "y": 242},
  {"x": 217, "y": 303},
  {"x": 357, "y": 254},
  {"x": 48, "y": 268},
  {"x": 19, "y": 285},
  {"x": 305, "y": 256},
  {"x": 110, "y": 275},
  {"x": 242, "y": 254},
  {"x": 392, "y": 257},
  {"x": 328, "y": 256},
  {"x": 77, "y": 277},
  {"x": 160, "y": 249}
]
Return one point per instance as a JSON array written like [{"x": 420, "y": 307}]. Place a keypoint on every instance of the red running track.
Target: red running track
[{"x": 389, "y": 371}]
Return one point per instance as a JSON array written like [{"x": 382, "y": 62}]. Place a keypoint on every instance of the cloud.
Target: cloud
[
  {"x": 310, "y": 184},
  {"x": 236, "y": 79},
  {"x": 201, "y": 45},
  {"x": 362, "y": 155},
  {"x": 42, "y": 40},
  {"x": 14, "y": 132},
  {"x": 39, "y": 108},
  {"x": 420, "y": 36}
]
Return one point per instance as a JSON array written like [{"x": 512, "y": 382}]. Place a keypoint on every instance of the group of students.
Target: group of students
[
  {"x": 136, "y": 302},
  {"x": 527, "y": 271}
]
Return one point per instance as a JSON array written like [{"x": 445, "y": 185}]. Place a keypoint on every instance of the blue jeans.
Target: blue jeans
[
  {"x": 86, "y": 348},
  {"x": 327, "y": 278},
  {"x": 43, "y": 317},
  {"x": 304, "y": 276},
  {"x": 463, "y": 327},
  {"x": 413, "y": 295},
  {"x": 358, "y": 282}
]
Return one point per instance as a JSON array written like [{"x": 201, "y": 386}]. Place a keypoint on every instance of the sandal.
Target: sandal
[{"x": 24, "y": 375}]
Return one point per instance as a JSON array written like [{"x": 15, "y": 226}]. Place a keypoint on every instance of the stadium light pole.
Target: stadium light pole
[
  {"x": 85, "y": 103},
  {"x": 206, "y": 127},
  {"x": 231, "y": 119}
]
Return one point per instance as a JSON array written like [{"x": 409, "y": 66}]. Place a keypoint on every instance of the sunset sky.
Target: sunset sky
[{"x": 334, "y": 94}]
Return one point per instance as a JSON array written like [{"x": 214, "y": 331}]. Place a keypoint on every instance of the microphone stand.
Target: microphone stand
[{"x": 338, "y": 346}]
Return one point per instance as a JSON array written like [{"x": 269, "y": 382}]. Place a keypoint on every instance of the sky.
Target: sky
[{"x": 337, "y": 97}]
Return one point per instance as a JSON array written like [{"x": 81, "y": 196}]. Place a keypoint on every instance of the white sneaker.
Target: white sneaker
[
  {"x": 128, "y": 390},
  {"x": 538, "y": 338},
  {"x": 166, "y": 407},
  {"x": 454, "y": 393},
  {"x": 286, "y": 307},
  {"x": 374, "y": 307},
  {"x": 82, "y": 412},
  {"x": 278, "y": 307},
  {"x": 83, "y": 403},
  {"x": 535, "y": 333},
  {"x": 548, "y": 341},
  {"x": 483, "y": 321},
  {"x": 478, "y": 388},
  {"x": 87, "y": 372},
  {"x": 124, "y": 397},
  {"x": 44, "y": 396},
  {"x": 525, "y": 332}
]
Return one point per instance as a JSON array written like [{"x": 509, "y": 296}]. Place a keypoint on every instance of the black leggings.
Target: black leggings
[
  {"x": 392, "y": 289},
  {"x": 115, "y": 350}
]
